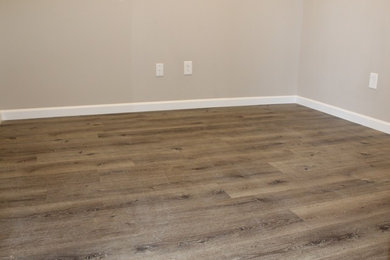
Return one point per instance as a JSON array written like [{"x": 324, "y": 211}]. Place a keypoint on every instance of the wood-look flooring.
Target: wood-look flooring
[{"x": 261, "y": 182}]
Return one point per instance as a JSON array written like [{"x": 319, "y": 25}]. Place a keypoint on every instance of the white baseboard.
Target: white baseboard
[
  {"x": 34, "y": 113},
  {"x": 49, "y": 112},
  {"x": 360, "y": 119}
]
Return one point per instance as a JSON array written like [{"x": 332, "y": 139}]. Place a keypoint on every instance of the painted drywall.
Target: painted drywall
[
  {"x": 87, "y": 52},
  {"x": 342, "y": 42}
]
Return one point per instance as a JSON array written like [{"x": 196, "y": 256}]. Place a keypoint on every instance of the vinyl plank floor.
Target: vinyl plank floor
[{"x": 257, "y": 182}]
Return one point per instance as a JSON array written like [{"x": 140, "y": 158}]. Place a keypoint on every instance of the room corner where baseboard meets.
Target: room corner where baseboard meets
[
  {"x": 360, "y": 119},
  {"x": 50, "y": 112}
]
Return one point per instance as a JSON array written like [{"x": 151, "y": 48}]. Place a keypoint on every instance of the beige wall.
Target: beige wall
[
  {"x": 343, "y": 41},
  {"x": 81, "y": 52}
]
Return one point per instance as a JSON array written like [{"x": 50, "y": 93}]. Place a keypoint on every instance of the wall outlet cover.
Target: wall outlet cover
[
  {"x": 188, "y": 68},
  {"x": 159, "y": 69},
  {"x": 373, "y": 84}
]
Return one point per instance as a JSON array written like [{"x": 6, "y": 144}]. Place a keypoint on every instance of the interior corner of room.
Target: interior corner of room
[
  {"x": 195, "y": 129},
  {"x": 71, "y": 54}
]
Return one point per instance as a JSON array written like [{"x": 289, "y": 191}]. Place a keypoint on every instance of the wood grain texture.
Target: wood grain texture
[{"x": 261, "y": 182}]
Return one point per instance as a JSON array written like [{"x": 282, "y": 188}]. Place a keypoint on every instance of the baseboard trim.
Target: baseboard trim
[
  {"x": 360, "y": 119},
  {"x": 34, "y": 113}
]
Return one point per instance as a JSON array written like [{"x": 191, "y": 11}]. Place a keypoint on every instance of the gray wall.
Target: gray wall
[
  {"x": 343, "y": 41},
  {"x": 81, "y": 52}
]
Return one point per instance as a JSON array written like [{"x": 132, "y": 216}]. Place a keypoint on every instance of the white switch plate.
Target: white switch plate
[
  {"x": 188, "y": 68},
  {"x": 159, "y": 69},
  {"x": 373, "y": 80}
]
